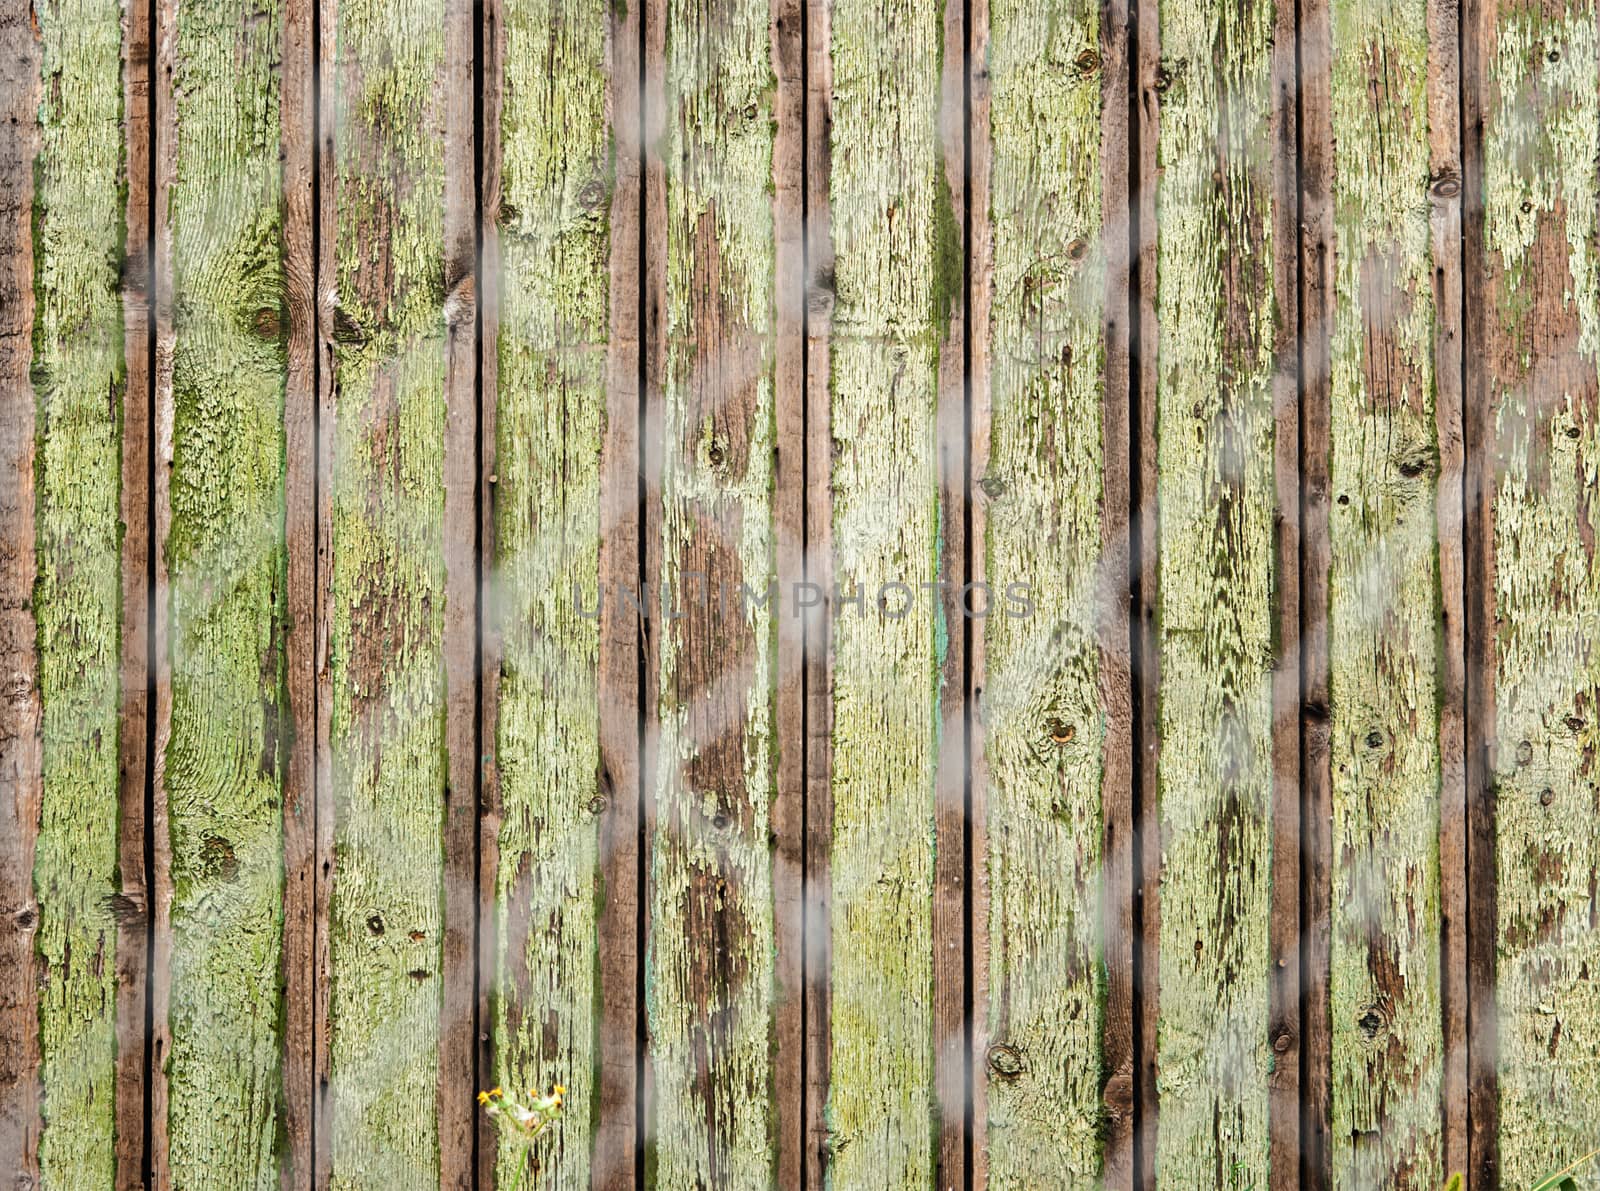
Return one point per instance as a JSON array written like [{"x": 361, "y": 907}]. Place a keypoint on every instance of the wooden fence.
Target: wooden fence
[{"x": 896, "y": 593}]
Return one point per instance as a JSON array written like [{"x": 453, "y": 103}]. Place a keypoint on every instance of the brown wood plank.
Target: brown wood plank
[
  {"x": 623, "y": 687},
  {"x": 952, "y": 859},
  {"x": 1445, "y": 230},
  {"x": 20, "y": 745},
  {"x": 819, "y": 643},
  {"x": 133, "y": 939},
  {"x": 1317, "y": 298}
]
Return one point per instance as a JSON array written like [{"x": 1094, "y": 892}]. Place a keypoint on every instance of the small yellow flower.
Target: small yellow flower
[
  {"x": 560, "y": 1090},
  {"x": 483, "y": 1097}
]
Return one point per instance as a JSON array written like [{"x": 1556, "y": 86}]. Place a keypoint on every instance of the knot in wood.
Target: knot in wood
[{"x": 1005, "y": 1060}]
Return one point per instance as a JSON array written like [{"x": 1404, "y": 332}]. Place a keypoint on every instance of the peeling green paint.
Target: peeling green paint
[
  {"x": 884, "y": 196},
  {"x": 1216, "y": 309},
  {"x": 79, "y": 379},
  {"x": 711, "y": 945},
  {"x": 554, "y": 326},
  {"x": 1043, "y": 724},
  {"x": 1383, "y": 589},
  {"x": 387, "y": 597},
  {"x": 1541, "y": 148},
  {"x": 225, "y": 563}
]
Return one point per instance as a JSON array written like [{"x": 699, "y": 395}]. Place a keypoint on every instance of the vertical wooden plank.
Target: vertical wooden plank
[
  {"x": 1227, "y": 605},
  {"x": 623, "y": 681},
  {"x": 400, "y": 296},
  {"x": 1379, "y": 511},
  {"x": 789, "y": 810},
  {"x": 66, "y": 810},
  {"x": 552, "y": 185},
  {"x": 820, "y": 649},
  {"x": 222, "y": 400},
  {"x": 1144, "y": 124},
  {"x": 20, "y": 745},
  {"x": 1058, "y": 1077},
  {"x": 133, "y": 905},
  {"x": 458, "y": 1023},
  {"x": 1445, "y": 229},
  {"x": 1318, "y": 302},
  {"x": 710, "y": 950},
  {"x": 1535, "y": 92},
  {"x": 300, "y": 477},
  {"x": 896, "y": 273},
  {"x": 952, "y": 856}
]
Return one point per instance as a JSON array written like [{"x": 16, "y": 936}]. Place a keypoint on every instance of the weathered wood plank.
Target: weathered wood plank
[
  {"x": 221, "y": 399},
  {"x": 547, "y": 214},
  {"x": 711, "y": 943},
  {"x": 896, "y": 274},
  {"x": 790, "y": 813},
  {"x": 68, "y": 820},
  {"x": 134, "y": 819},
  {"x": 20, "y": 745},
  {"x": 1054, "y": 511},
  {"x": 1389, "y": 135},
  {"x": 302, "y": 606},
  {"x": 1227, "y": 601},
  {"x": 817, "y": 920},
  {"x": 953, "y": 860},
  {"x": 623, "y": 681},
  {"x": 389, "y": 304},
  {"x": 1377, "y": 507},
  {"x": 1534, "y": 88}
]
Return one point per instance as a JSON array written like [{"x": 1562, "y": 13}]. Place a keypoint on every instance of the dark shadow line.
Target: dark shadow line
[
  {"x": 152, "y": 305},
  {"x": 1135, "y": 578}
]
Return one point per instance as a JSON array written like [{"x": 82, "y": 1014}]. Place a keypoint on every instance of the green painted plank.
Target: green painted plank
[
  {"x": 1216, "y": 306},
  {"x": 1541, "y": 145},
  {"x": 711, "y": 947},
  {"x": 1384, "y": 986},
  {"x": 386, "y": 601},
  {"x": 225, "y": 562},
  {"x": 1044, "y": 724},
  {"x": 896, "y": 260},
  {"x": 554, "y": 239},
  {"x": 79, "y": 379}
]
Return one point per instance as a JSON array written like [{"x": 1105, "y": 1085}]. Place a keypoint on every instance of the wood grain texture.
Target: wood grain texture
[
  {"x": 896, "y": 274},
  {"x": 20, "y": 743},
  {"x": 134, "y": 819},
  {"x": 1223, "y": 309},
  {"x": 1044, "y": 718},
  {"x": 302, "y": 608},
  {"x": 789, "y": 811},
  {"x": 79, "y": 380},
  {"x": 710, "y": 951},
  {"x": 623, "y": 681},
  {"x": 225, "y": 336},
  {"x": 1386, "y": 1045},
  {"x": 389, "y": 309},
  {"x": 553, "y": 235},
  {"x": 1539, "y": 311},
  {"x": 820, "y": 654}
]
